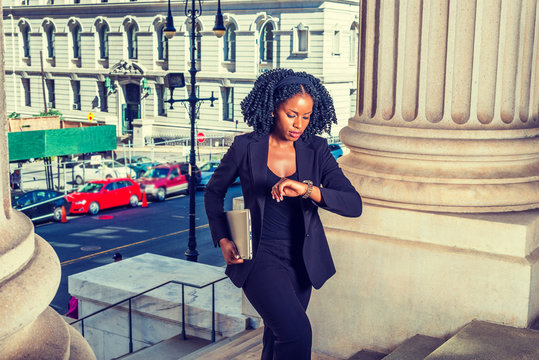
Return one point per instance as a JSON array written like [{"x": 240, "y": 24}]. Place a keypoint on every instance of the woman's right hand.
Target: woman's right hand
[{"x": 230, "y": 253}]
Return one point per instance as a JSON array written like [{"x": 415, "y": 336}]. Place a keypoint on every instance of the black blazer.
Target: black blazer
[{"x": 247, "y": 158}]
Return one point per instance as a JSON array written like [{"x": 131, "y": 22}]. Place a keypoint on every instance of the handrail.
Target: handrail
[{"x": 183, "y": 284}]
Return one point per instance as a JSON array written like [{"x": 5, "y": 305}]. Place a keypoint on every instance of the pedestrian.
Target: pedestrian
[
  {"x": 286, "y": 173},
  {"x": 15, "y": 179}
]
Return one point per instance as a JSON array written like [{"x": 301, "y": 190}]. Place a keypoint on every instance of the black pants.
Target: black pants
[{"x": 278, "y": 287}]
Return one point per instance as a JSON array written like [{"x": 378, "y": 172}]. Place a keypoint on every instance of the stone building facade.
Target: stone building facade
[{"x": 111, "y": 57}]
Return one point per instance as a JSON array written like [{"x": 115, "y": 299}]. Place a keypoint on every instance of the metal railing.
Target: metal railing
[{"x": 129, "y": 300}]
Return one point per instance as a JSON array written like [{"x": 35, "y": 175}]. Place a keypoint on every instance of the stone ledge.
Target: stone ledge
[{"x": 512, "y": 234}]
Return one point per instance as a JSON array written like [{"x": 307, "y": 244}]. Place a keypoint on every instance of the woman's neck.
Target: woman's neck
[{"x": 274, "y": 140}]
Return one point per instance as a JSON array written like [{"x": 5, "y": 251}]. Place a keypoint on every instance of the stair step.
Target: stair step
[
  {"x": 415, "y": 348},
  {"x": 214, "y": 349},
  {"x": 170, "y": 349},
  {"x": 368, "y": 355},
  {"x": 481, "y": 340}
]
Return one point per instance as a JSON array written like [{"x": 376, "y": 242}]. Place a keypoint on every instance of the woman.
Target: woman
[{"x": 286, "y": 173}]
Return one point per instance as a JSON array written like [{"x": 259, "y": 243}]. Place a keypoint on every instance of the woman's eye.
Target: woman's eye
[{"x": 291, "y": 115}]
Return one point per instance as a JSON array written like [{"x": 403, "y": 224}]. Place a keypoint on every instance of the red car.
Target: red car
[
  {"x": 166, "y": 179},
  {"x": 104, "y": 194}
]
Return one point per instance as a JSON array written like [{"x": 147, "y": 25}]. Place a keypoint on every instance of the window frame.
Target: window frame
[
  {"x": 228, "y": 104},
  {"x": 103, "y": 37},
  {"x": 25, "y": 37},
  {"x": 50, "y": 32},
  {"x": 76, "y": 95},
  {"x": 76, "y": 31},
  {"x": 265, "y": 44},
  {"x": 132, "y": 40},
  {"x": 27, "y": 91},
  {"x": 229, "y": 43}
]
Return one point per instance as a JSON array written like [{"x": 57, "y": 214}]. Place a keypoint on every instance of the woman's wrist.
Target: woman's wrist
[
  {"x": 309, "y": 190},
  {"x": 221, "y": 241}
]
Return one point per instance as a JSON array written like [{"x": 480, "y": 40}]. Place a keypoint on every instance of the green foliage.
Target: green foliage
[
  {"x": 14, "y": 115},
  {"x": 51, "y": 112}
]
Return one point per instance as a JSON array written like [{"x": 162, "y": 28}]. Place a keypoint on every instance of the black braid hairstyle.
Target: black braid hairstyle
[{"x": 264, "y": 99}]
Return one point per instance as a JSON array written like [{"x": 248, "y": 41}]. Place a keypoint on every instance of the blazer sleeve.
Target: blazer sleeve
[
  {"x": 214, "y": 195},
  {"x": 338, "y": 194}
]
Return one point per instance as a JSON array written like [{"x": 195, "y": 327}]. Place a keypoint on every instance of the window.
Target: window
[
  {"x": 266, "y": 43},
  {"x": 25, "y": 33},
  {"x": 300, "y": 39},
  {"x": 75, "y": 86},
  {"x": 75, "y": 33},
  {"x": 162, "y": 43},
  {"x": 102, "y": 93},
  {"x": 50, "y": 33},
  {"x": 161, "y": 93},
  {"x": 174, "y": 173},
  {"x": 230, "y": 42},
  {"x": 354, "y": 39},
  {"x": 132, "y": 41},
  {"x": 50, "y": 93},
  {"x": 103, "y": 32},
  {"x": 228, "y": 104},
  {"x": 336, "y": 42},
  {"x": 27, "y": 94}
]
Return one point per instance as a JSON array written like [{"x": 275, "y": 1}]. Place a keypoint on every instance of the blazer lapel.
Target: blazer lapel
[
  {"x": 258, "y": 159},
  {"x": 304, "y": 166}
]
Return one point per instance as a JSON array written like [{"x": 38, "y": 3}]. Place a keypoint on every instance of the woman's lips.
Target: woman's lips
[{"x": 295, "y": 134}]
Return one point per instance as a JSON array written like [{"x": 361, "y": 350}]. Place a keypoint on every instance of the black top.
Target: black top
[{"x": 282, "y": 220}]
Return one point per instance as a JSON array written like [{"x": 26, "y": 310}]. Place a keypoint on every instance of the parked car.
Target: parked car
[
  {"x": 103, "y": 194},
  {"x": 106, "y": 170},
  {"x": 139, "y": 164},
  {"x": 165, "y": 179},
  {"x": 206, "y": 172},
  {"x": 40, "y": 205},
  {"x": 336, "y": 150}
]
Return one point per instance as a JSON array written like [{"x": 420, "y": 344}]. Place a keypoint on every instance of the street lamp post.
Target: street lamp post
[{"x": 192, "y": 13}]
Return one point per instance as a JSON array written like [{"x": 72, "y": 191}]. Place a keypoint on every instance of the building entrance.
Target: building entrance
[{"x": 131, "y": 108}]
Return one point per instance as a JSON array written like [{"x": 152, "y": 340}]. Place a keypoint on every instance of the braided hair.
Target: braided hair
[{"x": 270, "y": 91}]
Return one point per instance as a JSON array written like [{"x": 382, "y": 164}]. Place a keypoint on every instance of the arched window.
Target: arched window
[
  {"x": 75, "y": 33},
  {"x": 230, "y": 42},
  {"x": 25, "y": 33},
  {"x": 103, "y": 33},
  {"x": 132, "y": 40},
  {"x": 354, "y": 40},
  {"x": 50, "y": 35},
  {"x": 162, "y": 43},
  {"x": 266, "y": 43}
]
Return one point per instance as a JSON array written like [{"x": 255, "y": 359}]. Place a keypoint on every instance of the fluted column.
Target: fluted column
[
  {"x": 448, "y": 105},
  {"x": 29, "y": 276}
]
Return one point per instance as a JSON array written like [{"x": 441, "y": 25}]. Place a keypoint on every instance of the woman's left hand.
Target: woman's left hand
[{"x": 287, "y": 187}]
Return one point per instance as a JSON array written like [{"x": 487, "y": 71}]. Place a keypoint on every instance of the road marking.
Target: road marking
[{"x": 68, "y": 262}]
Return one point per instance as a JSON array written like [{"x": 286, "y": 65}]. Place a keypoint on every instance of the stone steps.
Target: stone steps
[
  {"x": 170, "y": 349},
  {"x": 479, "y": 340}
]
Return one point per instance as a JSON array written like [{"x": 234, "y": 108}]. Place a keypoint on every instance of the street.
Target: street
[{"x": 86, "y": 242}]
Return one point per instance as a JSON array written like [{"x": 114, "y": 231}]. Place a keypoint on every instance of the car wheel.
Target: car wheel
[
  {"x": 133, "y": 201},
  {"x": 57, "y": 214},
  {"x": 108, "y": 177},
  {"x": 161, "y": 193},
  {"x": 78, "y": 180},
  {"x": 93, "y": 209}
]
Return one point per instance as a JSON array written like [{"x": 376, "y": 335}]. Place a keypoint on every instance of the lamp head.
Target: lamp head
[
  {"x": 169, "y": 29},
  {"x": 219, "y": 28}
]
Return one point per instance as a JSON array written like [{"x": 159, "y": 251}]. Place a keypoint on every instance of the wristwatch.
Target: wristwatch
[{"x": 309, "y": 189}]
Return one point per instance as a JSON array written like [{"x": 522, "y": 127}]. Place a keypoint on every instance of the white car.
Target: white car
[{"x": 106, "y": 170}]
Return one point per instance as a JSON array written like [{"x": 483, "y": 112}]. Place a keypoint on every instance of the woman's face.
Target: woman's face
[{"x": 292, "y": 117}]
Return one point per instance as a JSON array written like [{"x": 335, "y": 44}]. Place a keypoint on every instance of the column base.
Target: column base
[{"x": 403, "y": 272}]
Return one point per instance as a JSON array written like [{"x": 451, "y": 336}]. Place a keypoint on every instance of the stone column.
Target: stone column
[
  {"x": 448, "y": 107},
  {"x": 29, "y": 276},
  {"x": 444, "y": 149}
]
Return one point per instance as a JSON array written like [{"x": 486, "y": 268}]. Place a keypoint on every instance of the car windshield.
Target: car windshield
[
  {"x": 157, "y": 173},
  {"x": 91, "y": 188},
  {"x": 142, "y": 159},
  {"x": 207, "y": 166}
]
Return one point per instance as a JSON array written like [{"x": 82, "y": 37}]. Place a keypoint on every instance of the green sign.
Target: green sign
[{"x": 45, "y": 143}]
